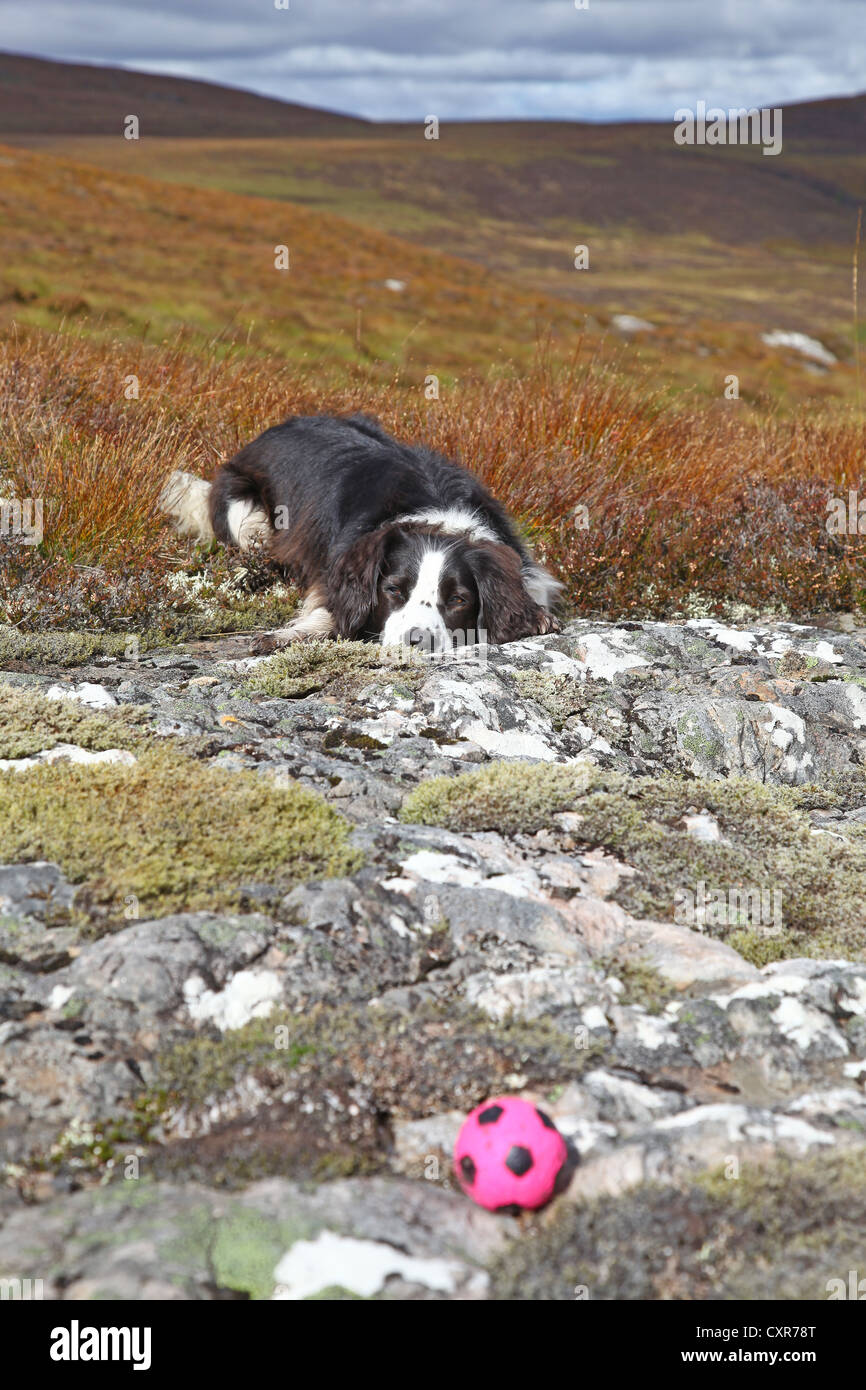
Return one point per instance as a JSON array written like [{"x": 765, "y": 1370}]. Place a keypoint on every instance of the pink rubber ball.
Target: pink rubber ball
[{"x": 509, "y": 1154}]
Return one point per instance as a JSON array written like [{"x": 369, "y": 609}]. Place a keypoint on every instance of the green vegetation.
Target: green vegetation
[
  {"x": 174, "y": 833},
  {"x": 29, "y": 723},
  {"x": 509, "y": 797},
  {"x": 767, "y": 843},
  {"x": 560, "y": 696},
  {"x": 643, "y": 985},
  {"x": 303, "y": 668},
  {"x": 65, "y": 648},
  {"x": 664, "y": 230},
  {"x": 378, "y": 1063},
  {"x": 780, "y": 1232}
]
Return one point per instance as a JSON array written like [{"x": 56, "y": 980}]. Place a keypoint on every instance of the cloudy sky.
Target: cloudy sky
[{"x": 404, "y": 59}]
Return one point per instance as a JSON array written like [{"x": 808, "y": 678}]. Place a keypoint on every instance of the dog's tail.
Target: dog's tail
[
  {"x": 207, "y": 511},
  {"x": 185, "y": 498}
]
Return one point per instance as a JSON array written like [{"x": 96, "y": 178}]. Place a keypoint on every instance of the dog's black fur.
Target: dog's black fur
[{"x": 337, "y": 493}]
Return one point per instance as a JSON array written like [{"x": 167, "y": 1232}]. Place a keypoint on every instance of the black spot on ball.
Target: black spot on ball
[
  {"x": 490, "y": 1115},
  {"x": 467, "y": 1168},
  {"x": 545, "y": 1119},
  {"x": 519, "y": 1160}
]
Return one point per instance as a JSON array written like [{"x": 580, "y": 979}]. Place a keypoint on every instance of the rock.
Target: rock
[
  {"x": 35, "y": 890},
  {"x": 802, "y": 343},
  {"x": 140, "y": 1240},
  {"x": 629, "y": 323},
  {"x": 286, "y": 1079}
]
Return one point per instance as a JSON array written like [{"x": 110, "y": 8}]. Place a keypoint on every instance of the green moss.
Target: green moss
[
  {"x": 839, "y": 791},
  {"x": 350, "y": 738},
  {"x": 29, "y": 722},
  {"x": 760, "y": 949},
  {"x": 173, "y": 832},
  {"x": 780, "y": 1232},
  {"x": 247, "y": 1247},
  {"x": 240, "y": 613},
  {"x": 767, "y": 843},
  {"x": 204, "y": 1067},
  {"x": 68, "y": 648},
  {"x": 705, "y": 749},
  {"x": 509, "y": 797},
  {"x": 335, "y": 1293},
  {"x": 306, "y": 667}
]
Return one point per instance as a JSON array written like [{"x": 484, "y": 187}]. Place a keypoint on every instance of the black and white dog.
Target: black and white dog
[{"x": 389, "y": 541}]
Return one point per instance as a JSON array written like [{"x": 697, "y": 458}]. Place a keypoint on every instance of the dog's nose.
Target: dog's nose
[{"x": 418, "y": 637}]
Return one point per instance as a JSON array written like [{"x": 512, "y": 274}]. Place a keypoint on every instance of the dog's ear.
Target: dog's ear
[
  {"x": 507, "y": 612},
  {"x": 353, "y": 583}
]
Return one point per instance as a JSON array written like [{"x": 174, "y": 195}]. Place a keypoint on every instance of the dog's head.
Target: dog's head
[{"x": 414, "y": 586}]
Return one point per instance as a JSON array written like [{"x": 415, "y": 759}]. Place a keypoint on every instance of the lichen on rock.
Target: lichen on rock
[{"x": 332, "y": 904}]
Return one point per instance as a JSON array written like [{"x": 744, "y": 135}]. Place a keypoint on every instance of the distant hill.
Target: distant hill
[{"x": 40, "y": 97}]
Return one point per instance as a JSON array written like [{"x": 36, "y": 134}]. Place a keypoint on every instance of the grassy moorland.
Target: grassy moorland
[
  {"x": 141, "y": 258},
  {"x": 643, "y": 511},
  {"x": 712, "y": 245},
  {"x": 670, "y": 235},
  {"x": 144, "y": 327}
]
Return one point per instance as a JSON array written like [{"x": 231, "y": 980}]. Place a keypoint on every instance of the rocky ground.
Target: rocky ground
[{"x": 270, "y": 928}]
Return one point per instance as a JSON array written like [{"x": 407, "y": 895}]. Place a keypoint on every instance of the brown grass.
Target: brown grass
[{"x": 684, "y": 509}]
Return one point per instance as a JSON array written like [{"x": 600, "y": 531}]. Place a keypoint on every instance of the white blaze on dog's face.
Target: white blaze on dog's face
[{"x": 426, "y": 593}]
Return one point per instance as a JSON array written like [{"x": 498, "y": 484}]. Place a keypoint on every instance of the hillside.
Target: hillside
[
  {"x": 38, "y": 96},
  {"x": 712, "y": 246},
  {"x": 673, "y": 231},
  {"x": 128, "y": 255}
]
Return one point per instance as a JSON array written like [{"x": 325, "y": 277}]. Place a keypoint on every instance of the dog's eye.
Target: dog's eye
[
  {"x": 393, "y": 590},
  {"x": 456, "y": 601}
]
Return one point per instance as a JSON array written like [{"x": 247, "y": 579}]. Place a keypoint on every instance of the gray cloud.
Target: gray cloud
[{"x": 403, "y": 59}]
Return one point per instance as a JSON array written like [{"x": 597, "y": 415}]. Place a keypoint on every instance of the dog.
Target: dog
[{"x": 389, "y": 541}]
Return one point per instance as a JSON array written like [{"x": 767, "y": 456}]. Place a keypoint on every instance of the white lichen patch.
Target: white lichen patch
[
  {"x": 854, "y": 999},
  {"x": 784, "y": 726},
  {"x": 530, "y": 994},
  {"x": 59, "y": 997},
  {"x": 652, "y": 1032},
  {"x": 434, "y": 867},
  {"x": 360, "y": 1266},
  {"x": 248, "y": 994},
  {"x": 513, "y": 743},
  {"x": 87, "y": 693},
  {"x": 702, "y": 826},
  {"x": 69, "y": 752},
  {"x": 733, "y": 637},
  {"x": 806, "y": 1026},
  {"x": 605, "y": 656}
]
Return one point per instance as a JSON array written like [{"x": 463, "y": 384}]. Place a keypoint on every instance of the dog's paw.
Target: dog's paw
[
  {"x": 267, "y": 643},
  {"x": 547, "y": 623}
]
